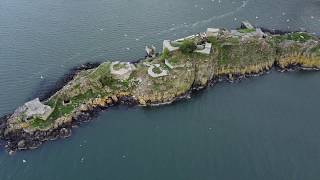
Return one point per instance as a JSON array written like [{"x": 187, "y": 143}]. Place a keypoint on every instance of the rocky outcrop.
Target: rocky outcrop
[{"x": 93, "y": 90}]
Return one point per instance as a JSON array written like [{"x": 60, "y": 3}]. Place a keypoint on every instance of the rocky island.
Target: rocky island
[{"x": 184, "y": 66}]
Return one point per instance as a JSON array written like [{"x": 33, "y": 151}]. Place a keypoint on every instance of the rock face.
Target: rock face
[{"x": 159, "y": 80}]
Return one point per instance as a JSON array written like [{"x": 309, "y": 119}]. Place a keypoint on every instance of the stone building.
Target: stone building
[{"x": 33, "y": 108}]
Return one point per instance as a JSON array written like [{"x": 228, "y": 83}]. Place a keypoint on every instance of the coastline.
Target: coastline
[
  {"x": 65, "y": 131},
  {"x": 21, "y": 139}
]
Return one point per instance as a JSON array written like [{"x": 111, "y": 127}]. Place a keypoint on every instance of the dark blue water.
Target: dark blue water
[{"x": 262, "y": 128}]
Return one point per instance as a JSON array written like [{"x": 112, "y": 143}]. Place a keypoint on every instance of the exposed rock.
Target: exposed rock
[
  {"x": 91, "y": 90},
  {"x": 246, "y": 25},
  {"x": 142, "y": 102},
  {"x": 114, "y": 98},
  {"x": 22, "y": 144},
  {"x": 64, "y": 132}
]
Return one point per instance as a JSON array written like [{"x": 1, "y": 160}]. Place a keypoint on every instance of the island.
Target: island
[{"x": 184, "y": 66}]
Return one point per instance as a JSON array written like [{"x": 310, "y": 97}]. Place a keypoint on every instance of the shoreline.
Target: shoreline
[
  {"x": 65, "y": 130},
  {"x": 19, "y": 138}
]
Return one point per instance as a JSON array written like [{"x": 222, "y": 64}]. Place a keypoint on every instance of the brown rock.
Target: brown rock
[
  {"x": 114, "y": 98},
  {"x": 109, "y": 101},
  {"x": 142, "y": 102}
]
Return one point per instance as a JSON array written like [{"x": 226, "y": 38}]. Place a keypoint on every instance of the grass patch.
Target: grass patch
[
  {"x": 119, "y": 66},
  {"x": 174, "y": 61},
  {"x": 246, "y": 30},
  {"x": 61, "y": 110},
  {"x": 165, "y": 54},
  {"x": 108, "y": 80},
  {"x": 224, "y": 55},
  {"x": 40, "y": 123},
  {"x": 295, "y": 36},
  {"x": 156, "y": 70},
  {"x": 299, "y": 37},
  {"x": 188, "y": 46},
  {"x": 316, "y": 50},
  {"x": 213, "y": 40}
]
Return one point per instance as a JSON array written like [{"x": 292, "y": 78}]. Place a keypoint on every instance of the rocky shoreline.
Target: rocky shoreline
[
  {"x": 20, "y": 140},
  {"x": 78, "y": 92}
]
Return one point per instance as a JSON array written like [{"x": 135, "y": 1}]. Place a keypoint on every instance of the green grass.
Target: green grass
[
  {"x": 156, "y": 70},
  {"x": 250, "y": 52},
  {"x": 316, "y": 50},
  {"x": 224, "y": 55},
  {"x": 299, "y": 37},
  {"x": 108, "y": 80},
  {"x": 62, "y": 109},
  {"x": 246, "y": 30},
  {"x": 101, "y": 70},
  {"x": 40, "y": 123},
  {"x": 119, "y": 66},
  {"x": 174, "y": 61},
  {"x": 214, "y": 41},
  {"x": 165, "y": 54},
  {"x": 188, "y": 46},
  {"x": 126, "y": 83},
  {"x": 295, "y": 36}
]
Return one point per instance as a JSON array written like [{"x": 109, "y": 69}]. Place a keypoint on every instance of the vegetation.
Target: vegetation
[
  {"x": 40, "y": 123},
  {"x": 231, "y": 55},
  {"x": 156, "y": 70},
  {"x": 165, "y": 54},
  {"x": 108, "y": 80},
  {"x": 188, "y": 46},
  {"x": 246, "y": 30},
  {"x": 299, "y": 37},
  {"x": 213, "y": 40},
  {"x": 174, "y": 61},
  {"x": 119, "y": 66}
]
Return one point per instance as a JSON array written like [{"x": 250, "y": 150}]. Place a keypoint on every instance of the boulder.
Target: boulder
[
  {"x": 142, "y": 102},
  {"x": 22, "y": 144},
  {"x": 114, "y": 98},
  {"x": 64, "y": 132}
]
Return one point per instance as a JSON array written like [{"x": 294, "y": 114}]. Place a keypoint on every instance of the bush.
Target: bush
[
  {"x": 187, "y": 46},
  {"x": 165, "y": 54}
]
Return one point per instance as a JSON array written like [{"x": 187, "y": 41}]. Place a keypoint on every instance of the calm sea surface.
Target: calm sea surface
[{"x": 262, "y": 128}]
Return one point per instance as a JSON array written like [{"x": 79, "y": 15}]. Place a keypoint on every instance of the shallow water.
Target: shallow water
[{"x": 262, "y": 128}]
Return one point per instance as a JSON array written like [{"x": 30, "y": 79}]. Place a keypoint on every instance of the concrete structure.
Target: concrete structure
[
  {"x": 151, "y": 52},
  {"x": 235, "y": 33},
  {"x": 246, "y": 25},
  {"x": 260, "y": 33},
  {"x": 188, "y": 37},
  {"x": 167, "y": 44},
  {"x": 207, "y": 49},
  {"x": 123, "y": 72},
  {"x": 212, "y": 32},
  {"x": 33, "y": 108}
]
